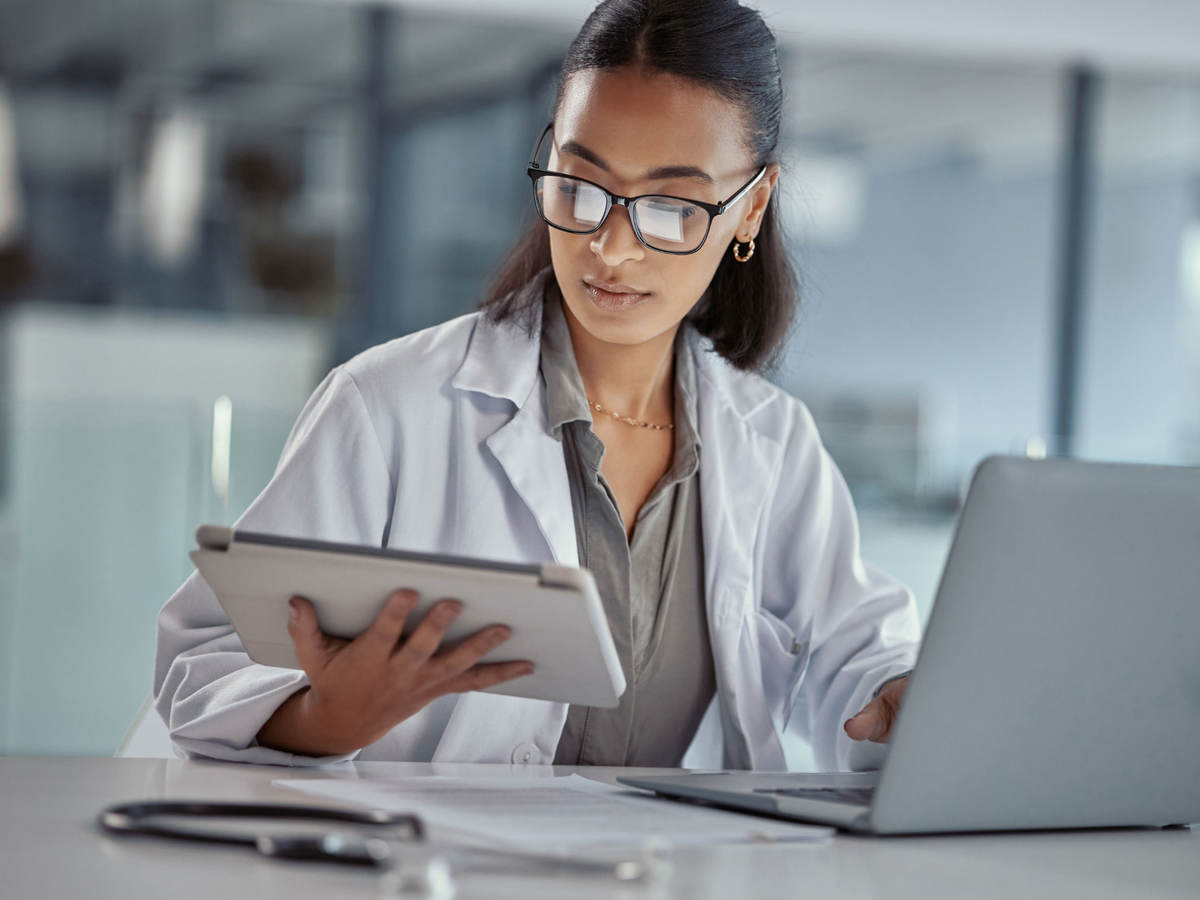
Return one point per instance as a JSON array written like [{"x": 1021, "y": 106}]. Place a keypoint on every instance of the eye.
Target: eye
[{"x": 670, "y": 205}]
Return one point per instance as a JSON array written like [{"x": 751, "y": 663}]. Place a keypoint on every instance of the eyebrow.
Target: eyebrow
[{"x": 662, "y": 173}]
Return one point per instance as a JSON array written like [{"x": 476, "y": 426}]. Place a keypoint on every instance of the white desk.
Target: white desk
[{"x": 51, "y": 847}]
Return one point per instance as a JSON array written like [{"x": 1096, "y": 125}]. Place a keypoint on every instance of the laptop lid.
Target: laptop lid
[{"x": 1058, "y": 683}]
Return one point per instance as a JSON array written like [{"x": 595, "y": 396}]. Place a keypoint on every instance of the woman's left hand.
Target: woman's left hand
[{"x": 874, "y": 721}]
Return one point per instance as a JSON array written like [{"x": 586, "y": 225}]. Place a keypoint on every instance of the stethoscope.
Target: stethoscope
[
  {"x": 374, "y": 838},
  {"x": 160, "y": 819}
]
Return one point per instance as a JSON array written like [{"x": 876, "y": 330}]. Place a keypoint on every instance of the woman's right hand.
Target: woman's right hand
[{"x": 359, "y": 690}]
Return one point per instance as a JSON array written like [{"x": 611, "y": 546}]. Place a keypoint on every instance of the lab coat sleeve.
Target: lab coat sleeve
[
  {"x": 850, "y": 627},
  {"x": 333, "y": 483}
]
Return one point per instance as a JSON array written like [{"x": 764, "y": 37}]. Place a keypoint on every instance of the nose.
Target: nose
[{"x": 616, "y": 241}]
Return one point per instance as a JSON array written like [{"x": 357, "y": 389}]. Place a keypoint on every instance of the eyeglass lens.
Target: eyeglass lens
[{"x": 665, "y": 223}]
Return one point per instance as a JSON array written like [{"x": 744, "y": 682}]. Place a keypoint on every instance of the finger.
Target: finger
[
  {"x": 873, "y": 723},
  {"x": 384, "y": 632},
  {"x": 485, "y": 675},
  {"x": 313, "y": 648},
  {"x": 455, "y": 660},
  {"x": 426, "y": 637}
]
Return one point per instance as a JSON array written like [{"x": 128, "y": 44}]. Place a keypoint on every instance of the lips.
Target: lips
[
  {"x": 612, "y": 287},
  {"x": 609, "y": 300}
]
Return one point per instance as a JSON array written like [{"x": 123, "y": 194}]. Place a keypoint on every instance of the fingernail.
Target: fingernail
[{"x": 293, "y": 609}]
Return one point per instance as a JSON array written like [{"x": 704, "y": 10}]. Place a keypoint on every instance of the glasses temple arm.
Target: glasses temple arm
[
  {"x": 741, "y": 193},
  {"x": 533, "y": 163}
]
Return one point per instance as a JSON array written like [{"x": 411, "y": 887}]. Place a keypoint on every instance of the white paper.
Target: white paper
[{"x": 554, "y": 812}]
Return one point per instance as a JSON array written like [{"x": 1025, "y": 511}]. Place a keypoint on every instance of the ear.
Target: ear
[{"x": 758, "y": 198}]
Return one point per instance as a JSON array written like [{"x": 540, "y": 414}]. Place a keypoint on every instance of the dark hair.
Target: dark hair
[{"x": 748, "y": 307}]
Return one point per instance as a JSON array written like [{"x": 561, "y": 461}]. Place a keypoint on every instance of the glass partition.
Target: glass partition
[{"x": 103, "y": 502}]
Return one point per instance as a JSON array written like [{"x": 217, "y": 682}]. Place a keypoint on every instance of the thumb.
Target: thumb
[
  {"x": 872, "y": 723},
  {"x": 313, "y": 649}
]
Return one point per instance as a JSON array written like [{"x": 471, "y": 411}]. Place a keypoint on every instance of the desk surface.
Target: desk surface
[{"x": 52, "y": 848}]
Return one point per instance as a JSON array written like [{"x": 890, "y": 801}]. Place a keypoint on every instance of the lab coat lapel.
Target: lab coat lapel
[
  {"x": 533, "y": 462},
  {"x": 738, "y": 464},
  {"x": 502, "y": 361}
]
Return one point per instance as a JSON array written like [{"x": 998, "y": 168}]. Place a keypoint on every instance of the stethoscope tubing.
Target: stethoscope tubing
[{"x": 138, "y": 818}]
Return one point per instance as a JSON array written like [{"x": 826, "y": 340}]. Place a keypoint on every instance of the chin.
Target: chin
[{"x": 634, "y": 325}]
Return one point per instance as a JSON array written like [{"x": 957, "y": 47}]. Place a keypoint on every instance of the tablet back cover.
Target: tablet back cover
[{"x": 555, "y": 614}]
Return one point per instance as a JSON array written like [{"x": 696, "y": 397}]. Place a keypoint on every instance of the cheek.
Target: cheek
[
  {"x": 688, "y": 278},
  {"x": 720, "y": 238},
  {"x": 555, "y": 245},
  {"x": 567, "y": 252},
  {"x": 696, "y": 271}
]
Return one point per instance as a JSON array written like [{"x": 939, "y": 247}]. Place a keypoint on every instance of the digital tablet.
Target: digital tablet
[{"x": 555, "y": 614}]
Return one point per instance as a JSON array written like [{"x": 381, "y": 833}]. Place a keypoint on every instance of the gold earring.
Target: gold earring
[{"x": 749, "y": 251}]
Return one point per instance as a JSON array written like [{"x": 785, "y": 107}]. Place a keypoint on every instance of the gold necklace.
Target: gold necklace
[{"x": 628, "y": 420}]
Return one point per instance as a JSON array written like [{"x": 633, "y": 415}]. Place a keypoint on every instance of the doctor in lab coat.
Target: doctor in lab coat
[{"x": 440, "y": 441}]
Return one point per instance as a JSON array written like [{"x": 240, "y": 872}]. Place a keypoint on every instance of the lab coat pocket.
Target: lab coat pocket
[{"x": 784, "y": 657}]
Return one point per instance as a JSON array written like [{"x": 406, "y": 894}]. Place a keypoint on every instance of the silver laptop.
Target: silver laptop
[{"x": 1058, "y": 684}]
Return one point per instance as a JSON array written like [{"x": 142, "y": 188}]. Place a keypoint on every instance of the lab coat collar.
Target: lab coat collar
[
  {"x": 742, "y": 394},
  {"x": 502, "y": 357}
]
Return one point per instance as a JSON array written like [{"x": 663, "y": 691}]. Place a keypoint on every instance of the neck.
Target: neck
[{"x": 632, "y": 379}]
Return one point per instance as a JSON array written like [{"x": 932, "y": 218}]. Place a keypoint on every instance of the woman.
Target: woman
[{"x": 602, "y": 410}]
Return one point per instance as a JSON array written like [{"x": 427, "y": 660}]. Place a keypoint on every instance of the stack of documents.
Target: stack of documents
[{"x": 567, "y": 812}]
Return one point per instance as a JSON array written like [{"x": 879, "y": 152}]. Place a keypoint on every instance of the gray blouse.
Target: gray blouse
[{"x": 652, "y": 587}]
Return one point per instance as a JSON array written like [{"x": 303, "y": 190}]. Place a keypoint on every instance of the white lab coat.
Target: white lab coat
[{"x": 438, "y": 441}]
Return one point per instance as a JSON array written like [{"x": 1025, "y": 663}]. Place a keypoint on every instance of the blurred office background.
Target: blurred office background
[{"x": 205, "y": 204}]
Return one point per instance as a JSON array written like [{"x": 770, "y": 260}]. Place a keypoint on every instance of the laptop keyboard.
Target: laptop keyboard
[{"x": 857, "y": 796}]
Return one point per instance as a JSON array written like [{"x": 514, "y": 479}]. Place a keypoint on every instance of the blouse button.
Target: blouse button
[{"x": 526, "y": 754}]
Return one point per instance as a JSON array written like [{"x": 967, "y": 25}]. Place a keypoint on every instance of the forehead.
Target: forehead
[{"x": 636, "y": 121}]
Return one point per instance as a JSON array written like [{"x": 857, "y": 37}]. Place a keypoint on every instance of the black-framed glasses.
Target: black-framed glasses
[{"x": 661, "y": 222}]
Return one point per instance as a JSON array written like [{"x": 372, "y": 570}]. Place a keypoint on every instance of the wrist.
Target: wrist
[
  {"x": 302, "y": 724},
  {"x": 327, "y": 736}
]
